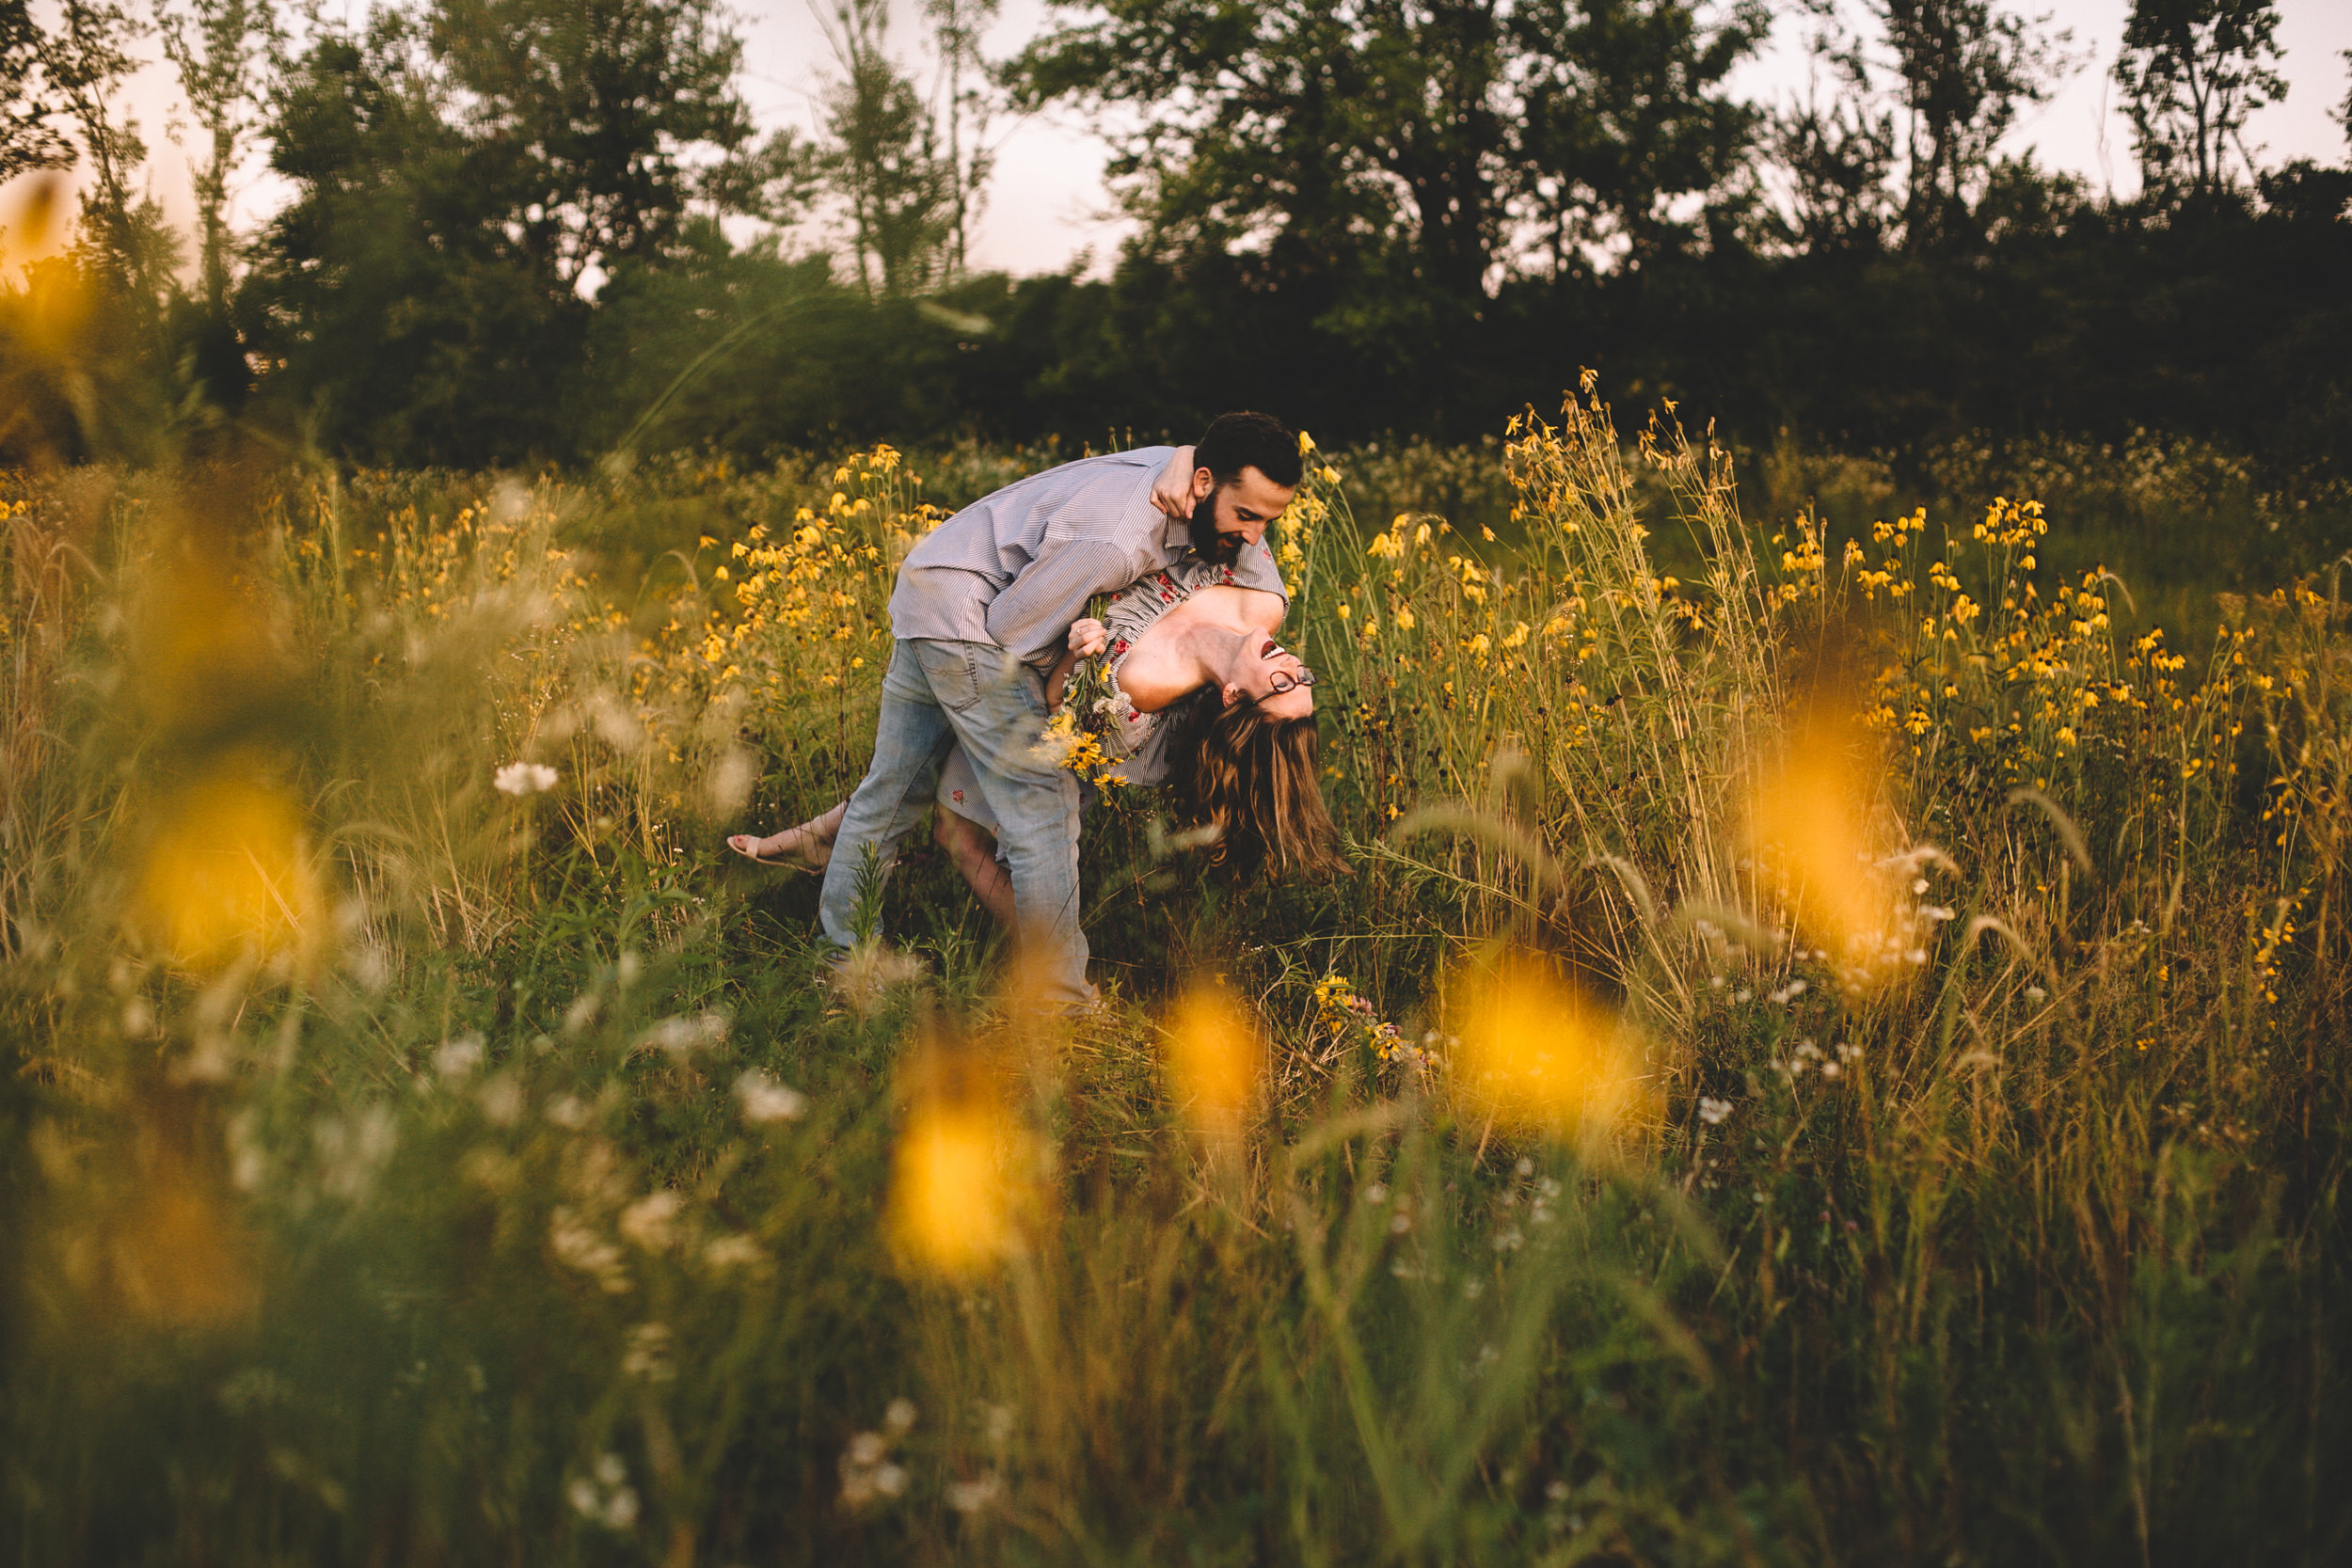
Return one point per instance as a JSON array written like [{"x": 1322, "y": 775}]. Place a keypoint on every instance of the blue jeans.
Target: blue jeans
[{"x": 937, "y": 691}]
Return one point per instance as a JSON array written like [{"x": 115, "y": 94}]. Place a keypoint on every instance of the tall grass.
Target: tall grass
[{"x": 1825, "y": 1055}]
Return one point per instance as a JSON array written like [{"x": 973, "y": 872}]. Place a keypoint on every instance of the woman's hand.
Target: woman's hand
[
  {"x": 1174, "y": 492},
  {"x": 1088, "y": 637}
]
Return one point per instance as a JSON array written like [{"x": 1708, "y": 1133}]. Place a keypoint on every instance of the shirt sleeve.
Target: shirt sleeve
[
  {"x": 1031, "y": 618},
  {"x": 1254, "y": 569}
]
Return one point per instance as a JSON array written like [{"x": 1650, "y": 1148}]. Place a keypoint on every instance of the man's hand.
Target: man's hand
[
  {"x": 1174, "y": 492},
  {"x": 1088, "y": 637}
]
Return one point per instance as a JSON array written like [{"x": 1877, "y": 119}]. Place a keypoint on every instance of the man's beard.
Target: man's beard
[{"x": 1217, "y": 549}]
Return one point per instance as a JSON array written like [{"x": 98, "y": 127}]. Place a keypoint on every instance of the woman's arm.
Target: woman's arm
[
  {"x": 1058, "y": 677},
  {"x": 1088, "y": 637},
  {"x": 1177, "y": 488}
]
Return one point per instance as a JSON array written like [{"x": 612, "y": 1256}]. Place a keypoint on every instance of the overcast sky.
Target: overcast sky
[{"x": 1048, "y": 204}]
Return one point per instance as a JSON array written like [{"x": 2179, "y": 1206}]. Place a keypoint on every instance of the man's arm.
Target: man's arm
[{"x": 1033, "y": 614}]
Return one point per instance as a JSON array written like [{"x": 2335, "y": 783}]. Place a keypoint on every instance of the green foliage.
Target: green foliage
[
  {"x": 220, "y": 49},
  {"x": 2191, "y": 71},
  {"x": 1366, "y": 149},
  {"x": 903, "y": 192},
  {"x": 459, "y": 175},
  {"x": 27, "y": 139}
]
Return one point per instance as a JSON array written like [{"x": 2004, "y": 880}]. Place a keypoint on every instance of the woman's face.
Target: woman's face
[{"x": 1271, "y": 675}]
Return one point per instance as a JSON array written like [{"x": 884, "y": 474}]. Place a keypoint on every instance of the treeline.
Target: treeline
[{"x": 541, "y": 229}]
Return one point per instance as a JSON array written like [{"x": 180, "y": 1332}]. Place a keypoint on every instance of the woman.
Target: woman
[{"x": 1194, "y": 692}]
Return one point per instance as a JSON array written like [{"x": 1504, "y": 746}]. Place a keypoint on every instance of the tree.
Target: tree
[
  {"x": 2191, "y": 71},
  {"x": 1624, "y": 114},
  {"x": 963, "y": 75},
  {"x": 1840, "y": 159},
  {"x": 457, "y": 174},
  {"x": 1909, "y": 139},
  {"x": 884, "y": 160},
  {"x": 1408, "y": 147},
  {"x": 580, "y": 117},
  {"x": 123, "y": 242},
  {"x": 222, "y": 51},
  {"x": 2343, "y": 110},
  {"x": 28, "y": 139}
]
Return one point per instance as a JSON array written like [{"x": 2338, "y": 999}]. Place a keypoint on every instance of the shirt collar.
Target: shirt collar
[{"x": 1176, "y": 538}]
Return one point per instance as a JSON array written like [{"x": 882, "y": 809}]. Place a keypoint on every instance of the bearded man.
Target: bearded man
[{"x": 981, "y": 612}]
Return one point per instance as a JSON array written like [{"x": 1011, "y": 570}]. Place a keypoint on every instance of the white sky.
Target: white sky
[{"x": 1048, "y": 205}]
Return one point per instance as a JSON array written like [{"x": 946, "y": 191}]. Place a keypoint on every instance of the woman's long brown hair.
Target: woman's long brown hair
[{"x": 1256, "y": 778}]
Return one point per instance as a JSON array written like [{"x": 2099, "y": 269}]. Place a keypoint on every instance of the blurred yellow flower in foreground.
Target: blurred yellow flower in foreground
[
  {"x": 1806, "y": 824},
  {"x": 1536, "y": 1054},
  {"x": 959, "y": 1188},
  {"x": 226, "y": 873},
  {"x": 1214, "y": 1059}
]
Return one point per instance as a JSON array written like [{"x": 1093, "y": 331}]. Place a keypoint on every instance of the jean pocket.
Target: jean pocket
[{"x": 953, "y": 670}]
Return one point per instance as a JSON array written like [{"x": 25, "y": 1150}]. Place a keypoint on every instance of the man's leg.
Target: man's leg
[
  {"x": 909, "y": 739},
  {"x": 1035, "y": 803}
]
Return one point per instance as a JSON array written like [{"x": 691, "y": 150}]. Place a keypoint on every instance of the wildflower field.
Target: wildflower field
[{"x": 1830, "y": 1050}]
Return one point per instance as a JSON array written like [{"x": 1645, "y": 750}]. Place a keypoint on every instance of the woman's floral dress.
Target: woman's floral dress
[{"x": 1133, "y": 743}]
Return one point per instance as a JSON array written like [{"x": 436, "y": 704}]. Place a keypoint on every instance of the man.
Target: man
[{"x": 984, "y": 607}]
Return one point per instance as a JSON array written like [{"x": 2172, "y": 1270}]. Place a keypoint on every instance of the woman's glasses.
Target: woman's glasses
[{"x": 1281, "y": 680}]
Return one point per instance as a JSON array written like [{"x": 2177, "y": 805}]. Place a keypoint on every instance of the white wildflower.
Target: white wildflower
[
  {"x": 1714, "y": 1111},
  {"x": 970, "y": 1496},
  {"x": 605, "y": 1497},
  {"x": 734, "y": 1252},
  {"x": 524, "y": 778},
  {"x": 648, "y": 1221},
  {"x": 996, "y": 1425},
  {"x": 459, "y": 1056},
  {"x": 767, "y": 1101},
  {"x": 577, "y": 1246},
  {"x": 502, "y": 1101},
  {"x": 647, "y": 1358},
  {"x": 683, "y": 1036}
]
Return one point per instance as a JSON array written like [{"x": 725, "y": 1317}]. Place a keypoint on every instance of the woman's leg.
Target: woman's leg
[
  {"x": 975, "y": 853},
  {"x": 808, "y": 843}
]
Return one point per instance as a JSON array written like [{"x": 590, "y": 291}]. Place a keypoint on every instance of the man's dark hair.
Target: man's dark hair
[{"x": 1245, "y": 440}]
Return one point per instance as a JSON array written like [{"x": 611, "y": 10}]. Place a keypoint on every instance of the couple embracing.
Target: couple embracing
[{"x": 1188, "y": 683}]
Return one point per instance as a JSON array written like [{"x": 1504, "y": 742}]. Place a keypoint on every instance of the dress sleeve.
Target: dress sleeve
[{"x": 1031, "y": 618}]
